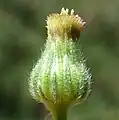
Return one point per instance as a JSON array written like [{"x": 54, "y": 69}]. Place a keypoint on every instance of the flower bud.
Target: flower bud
[{"x": 60, "y": 77}]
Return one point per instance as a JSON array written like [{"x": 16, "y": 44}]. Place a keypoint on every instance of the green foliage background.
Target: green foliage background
[{"x": 22, "y": 37}]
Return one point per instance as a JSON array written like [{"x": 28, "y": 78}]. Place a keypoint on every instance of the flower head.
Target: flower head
[{"x": 60, "y": 77}]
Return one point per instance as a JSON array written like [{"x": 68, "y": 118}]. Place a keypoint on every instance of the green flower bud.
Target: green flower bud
[{"x": 60, "y": 77}]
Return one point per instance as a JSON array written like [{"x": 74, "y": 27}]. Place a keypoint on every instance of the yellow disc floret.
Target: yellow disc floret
[{"x": 64, "y": 25}]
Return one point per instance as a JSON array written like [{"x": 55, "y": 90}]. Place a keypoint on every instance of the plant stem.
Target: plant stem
[{"x": 60, "y": 113}]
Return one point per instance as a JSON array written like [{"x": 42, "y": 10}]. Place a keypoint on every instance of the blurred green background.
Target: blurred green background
[{"x": 22, "y": 37}]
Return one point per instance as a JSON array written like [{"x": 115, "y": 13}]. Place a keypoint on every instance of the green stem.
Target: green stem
[{"x": 60, "y": 112}]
